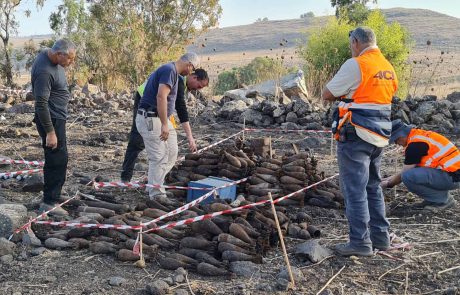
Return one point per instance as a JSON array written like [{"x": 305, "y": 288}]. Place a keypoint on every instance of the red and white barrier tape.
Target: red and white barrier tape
[
  {"x": 286, "y": 130},
  {"x": 211, "y": 215},
  {"x": 136, "y": 227},
  {"x": 17, "y": 91},
  {"x": 98, "y": 185},
  {"x": 33, "y": 163},
  {"x": 194, "y": 202},
  {"x": 35, "y": 220},
  {"x": 211, "y": 146},
  {"x": 7, "y": 175}
]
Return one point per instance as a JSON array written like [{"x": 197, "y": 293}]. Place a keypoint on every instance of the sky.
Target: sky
[{"x": 240, "y": 12}]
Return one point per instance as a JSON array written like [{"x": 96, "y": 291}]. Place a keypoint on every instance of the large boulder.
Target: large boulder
[
  {"x": 250, "y": 116},
  {"x": 232, "y": 109},
  {"x": 426, "y": 109},
  {"x": 454, "y": 97}
]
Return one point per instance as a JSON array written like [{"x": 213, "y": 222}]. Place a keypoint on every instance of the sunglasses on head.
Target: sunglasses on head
[{"x": 350, "y": 33}]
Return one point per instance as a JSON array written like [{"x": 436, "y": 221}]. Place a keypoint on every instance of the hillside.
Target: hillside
[{"x": 442, "y": 30}]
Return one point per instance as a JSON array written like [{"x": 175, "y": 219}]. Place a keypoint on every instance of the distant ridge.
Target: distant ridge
[{"x": 442, "y": 30}]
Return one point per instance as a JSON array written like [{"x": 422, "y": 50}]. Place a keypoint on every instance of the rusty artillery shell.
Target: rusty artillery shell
[
  {"x": 238, "y": 231},
  {"x": 207, "y": 269},
  {"x": 196, "y": 243},
  {"x": 314, "y": 232},
  {"x": 238, "y": 256},
  {"x": 233, "y": 240},
  {"x": 224, "y": 246}
]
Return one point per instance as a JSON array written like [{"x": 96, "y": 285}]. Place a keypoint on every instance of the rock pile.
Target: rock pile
[{"x": 429, "y": 112}]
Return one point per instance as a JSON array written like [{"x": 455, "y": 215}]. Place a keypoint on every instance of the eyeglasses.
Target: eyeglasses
[{"x": 193, "y": 67}]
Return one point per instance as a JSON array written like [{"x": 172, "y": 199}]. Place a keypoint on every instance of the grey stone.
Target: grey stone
[
  {"x": 237, "y": 94},
  {"x": 291, "y": 117},
  {"x": 456, "y": 106},
  {"x": 244, "y": 268},
  {"x": 33, "y": 183},
  {"x": 116, "y": 281},
  {"x": 312, "y": 251},
  {"x": 7, "y": 259},
  {"x": 6, "y": 247},
  {"x": 296, "y": 273},
  {"x": 265, "y": 287},
  {"x": 49, "y": 279},
  {"x": 278, "y": 112},
  {"x": 302, "y": 108},
  {"x": 445, "y": 104},
  {"x": 179, "y": 279},
  {"x": 326, "y": 292},
  {"x": 280, "y": 119},
  {"x": 284, "y": 99},
  {"x": 31, "y": 239},
  {"x": 426, "y": 109},
  {"x": 282, "y": 284},
  {"x": 180, "y": 271},
  {"x": 159, "y": 287},
  {"x": 181, "y": 292},
  {"x": 22, "y": 108},
  {"x": 268, "y": 106},
  {"x": 290, "y": 126},
  {"x": 313, "y": 126},
  {"x": 441, "y": 122},
  {"x": 90, "y": 89},
  {"x": 454, "y": 97},
  {"x": 401, "y": 114},
  {"x": 251, "y": 116},
  {"x": 232, "y": 108},
  {"x": 141, "y": 167},
  {"x": 38, "y": 251},
  {"x": 267, "y": 121},
  {"x": 169, "y": 280},
  {"x": 455, "y": 114}
]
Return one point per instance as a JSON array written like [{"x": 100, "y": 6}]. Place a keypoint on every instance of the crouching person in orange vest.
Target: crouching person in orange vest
[
  {"x": 364, "y": 86},
  {"x": 431, "y": 166}
]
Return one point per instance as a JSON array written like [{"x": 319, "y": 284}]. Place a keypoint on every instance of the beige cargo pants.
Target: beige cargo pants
[{"x": 162, "y": 155}]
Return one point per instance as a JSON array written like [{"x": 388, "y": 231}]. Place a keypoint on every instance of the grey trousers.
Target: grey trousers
[
  {"x": 162, "y": 155},
  {"x": 433, "y": 185}
]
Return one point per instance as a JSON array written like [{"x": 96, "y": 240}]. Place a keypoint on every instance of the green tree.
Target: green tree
[
  {"x": 121, "y": 42},
  {"x": 328, "y": 48},
  {"x": 309, "y": 14},
  {"x": 8, "y": 26}
]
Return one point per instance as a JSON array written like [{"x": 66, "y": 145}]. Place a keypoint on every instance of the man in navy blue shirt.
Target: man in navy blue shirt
[{"x": 156, "y": 106}]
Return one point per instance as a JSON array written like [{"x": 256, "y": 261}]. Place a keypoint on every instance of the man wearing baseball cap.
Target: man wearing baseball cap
[
  {"x": 431, "y": 166},
  {"x": 156, "y": 106}
]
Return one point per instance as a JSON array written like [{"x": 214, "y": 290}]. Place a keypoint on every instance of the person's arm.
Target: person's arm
[
  {"x": 347, "y": 79},
  {"x": 396, "y": 179},
  {"x": 181, "y": 106},
  {"x": 42, "y": 90},
  {"x": 188, "y": 133},
  {"x": 162, "y": 109}
]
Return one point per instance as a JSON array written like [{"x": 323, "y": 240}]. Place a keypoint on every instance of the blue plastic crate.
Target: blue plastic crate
[{"x": 211, "y": 182}]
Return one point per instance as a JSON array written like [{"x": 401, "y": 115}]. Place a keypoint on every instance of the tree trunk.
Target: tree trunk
[{"x": 8, "y": 66}]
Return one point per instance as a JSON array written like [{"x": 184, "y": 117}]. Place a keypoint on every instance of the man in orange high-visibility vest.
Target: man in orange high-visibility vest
[
  {"x": 431, "y": 166},
  {"x": 364, "y": 86}
]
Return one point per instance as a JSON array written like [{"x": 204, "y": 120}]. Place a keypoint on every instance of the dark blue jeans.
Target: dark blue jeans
[
  {"x": 359, "y": 168},
  {"x": 433, "y": 185},
  {"x": 55, "y": 169},
  {"x": 135, "y": 145}
]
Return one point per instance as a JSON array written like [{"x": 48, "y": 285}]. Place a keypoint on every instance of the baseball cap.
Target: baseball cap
[{"x": 399, "y": 129}]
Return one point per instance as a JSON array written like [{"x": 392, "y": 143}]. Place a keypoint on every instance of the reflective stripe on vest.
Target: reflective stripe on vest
[
  {"x": 370, "y": 108},
  {"x": 442, "y": 154}
]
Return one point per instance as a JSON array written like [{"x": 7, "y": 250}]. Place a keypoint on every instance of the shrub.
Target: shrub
[
  {"x": 258, "y": 70},
  {"x": 328, "y": 48}
]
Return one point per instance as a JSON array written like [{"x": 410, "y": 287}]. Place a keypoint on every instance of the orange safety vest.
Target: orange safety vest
[
  {"x": 370, "y": 106},
  {"x": 442, "y": 154}
]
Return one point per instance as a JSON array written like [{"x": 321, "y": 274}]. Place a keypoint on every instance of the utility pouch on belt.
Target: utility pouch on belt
[{"x": 149, "y": 124}]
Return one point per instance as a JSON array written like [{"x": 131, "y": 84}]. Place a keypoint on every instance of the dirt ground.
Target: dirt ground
[{"x": 96, "y": 146}]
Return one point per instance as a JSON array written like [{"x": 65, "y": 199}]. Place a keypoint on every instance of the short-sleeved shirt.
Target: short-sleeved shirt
[
  {"x": 166, "y": 74},
  {"x": 50, "y": 83},
  {"x": 345, "y": 83},
  {"x": 414, "y": 153}
]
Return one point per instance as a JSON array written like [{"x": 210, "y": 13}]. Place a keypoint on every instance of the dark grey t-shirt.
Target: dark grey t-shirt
[{"x": 49, "y": 87}]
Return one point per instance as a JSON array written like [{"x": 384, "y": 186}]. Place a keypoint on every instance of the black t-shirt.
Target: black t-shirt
[{"x": 414, "y": 153}]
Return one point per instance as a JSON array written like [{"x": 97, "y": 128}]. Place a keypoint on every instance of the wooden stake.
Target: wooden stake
[
  {"x": 270, "y": 146},
  {"x": 244, "y": 128},
  {"x": 280, "y": 234},
  {"x": 332, "y": 144}
]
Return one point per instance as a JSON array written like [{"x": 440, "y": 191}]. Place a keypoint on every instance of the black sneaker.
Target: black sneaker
[
  {"x": 436, "y": 207},
  {"x": 346, "y": 249}
]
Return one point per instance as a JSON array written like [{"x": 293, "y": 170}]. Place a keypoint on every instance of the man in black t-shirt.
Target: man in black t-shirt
[{"x": 431, "y": 166}]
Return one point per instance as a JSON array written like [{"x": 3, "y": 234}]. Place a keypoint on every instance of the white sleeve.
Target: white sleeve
[{"x": 347, "y": 79}]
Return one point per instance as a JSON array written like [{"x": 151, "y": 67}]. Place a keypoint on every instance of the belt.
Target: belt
[{"x": 145, "y": 113}]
